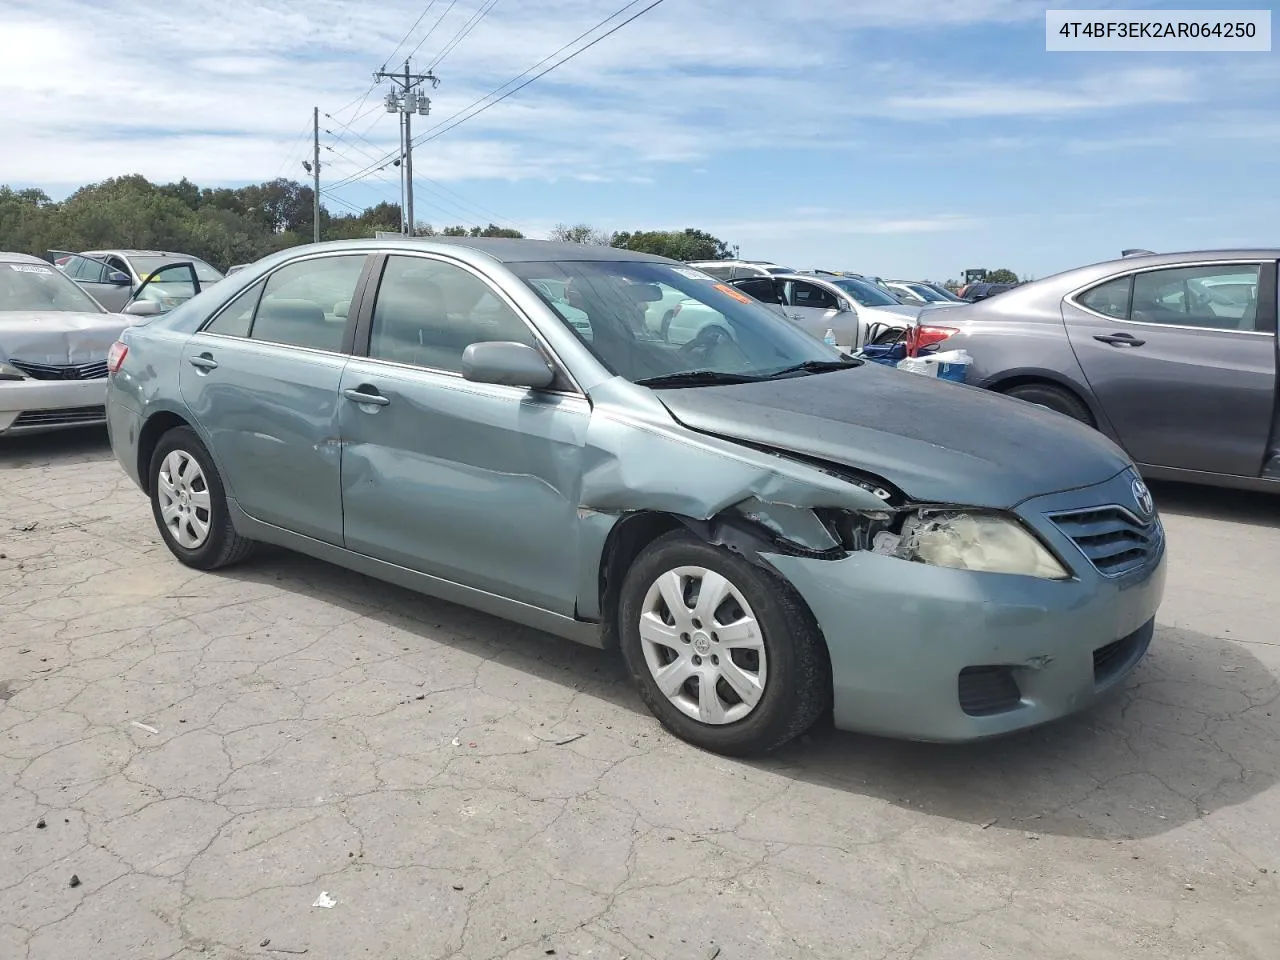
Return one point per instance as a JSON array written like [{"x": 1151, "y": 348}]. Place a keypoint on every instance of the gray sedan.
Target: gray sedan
[
  {"x": 1173, "y": 356},
  {"x": 766, "y": 529}
]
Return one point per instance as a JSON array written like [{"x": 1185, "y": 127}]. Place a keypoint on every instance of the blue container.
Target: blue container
[
  {"x": 886, "y": 353},
  {"x": 955, "y": 372}
]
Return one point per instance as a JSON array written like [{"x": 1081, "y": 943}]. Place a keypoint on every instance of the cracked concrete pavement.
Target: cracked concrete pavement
[{"x": 209, "y": 753}]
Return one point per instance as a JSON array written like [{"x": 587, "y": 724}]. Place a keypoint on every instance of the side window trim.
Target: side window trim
[
  {"x": 1264, "y": 270},
  {"x": 254, "y": 290},
  {"x": 364, "y": 327},
  {"x": 354, "y": 312}
]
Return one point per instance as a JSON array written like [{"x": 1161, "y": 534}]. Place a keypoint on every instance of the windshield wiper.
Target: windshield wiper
[
  {"x": 816, "y": 366},
  {"x": 697, "y": 378}
]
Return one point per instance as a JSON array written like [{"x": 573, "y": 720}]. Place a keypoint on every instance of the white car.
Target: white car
[
  {"x": 54, "y": 339},
  {"x": 851, "y": 308}
]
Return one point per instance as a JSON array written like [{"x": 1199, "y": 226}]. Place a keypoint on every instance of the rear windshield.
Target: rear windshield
[{"x": 37, "y": 287}]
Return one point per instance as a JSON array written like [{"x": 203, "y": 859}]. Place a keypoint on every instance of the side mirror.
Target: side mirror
[
  {"x": 143, "y": 308},
  {"x": 119, "y": 278},
  {"x": 507, "y": 363},
  {"x": 844, "y": 306}
]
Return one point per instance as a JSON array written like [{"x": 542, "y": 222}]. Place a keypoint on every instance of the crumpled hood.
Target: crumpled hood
[
  {"x": 58, "y": 338},
  {"x": 937, "y": 442}
]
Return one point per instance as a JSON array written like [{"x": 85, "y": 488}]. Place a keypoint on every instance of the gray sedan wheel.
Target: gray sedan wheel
[
  {"x": 723, "y": 652},
  {"x": 190, "y": 505},
  {"x": 703, "y": 646}
]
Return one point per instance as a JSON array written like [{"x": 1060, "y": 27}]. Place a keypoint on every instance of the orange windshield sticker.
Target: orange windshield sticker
[{"x": 736, "y": 294}]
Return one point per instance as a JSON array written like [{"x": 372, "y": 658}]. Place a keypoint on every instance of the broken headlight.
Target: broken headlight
[
  {"x": 987, "y": 542},
  {"x": 9, "y": 372}
]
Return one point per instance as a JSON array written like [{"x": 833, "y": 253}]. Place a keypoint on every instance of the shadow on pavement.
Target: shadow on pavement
[
  {"x": 1195, "y": 729},
  {"x": 81, "y": 443},
  {"x": 1218, "y": 503}
]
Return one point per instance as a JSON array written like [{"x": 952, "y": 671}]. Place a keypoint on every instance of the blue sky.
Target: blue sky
[{"x": 914, "y": 138}]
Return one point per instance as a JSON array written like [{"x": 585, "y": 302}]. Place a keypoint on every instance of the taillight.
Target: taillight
[
  {"x": 115, "y": 356},
  {"x": 922, "y": 336}
]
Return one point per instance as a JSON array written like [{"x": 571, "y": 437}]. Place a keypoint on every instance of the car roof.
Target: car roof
[
  {"x": 506, "y": 250},
  {"x": 133, "y": 253},
  {"x": 8, "y": 257}
]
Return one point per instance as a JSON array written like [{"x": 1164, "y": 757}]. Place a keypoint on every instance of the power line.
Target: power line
[
  {"x": 460, "y": 199},
  {"x": 421, "y": 16},
  {"x": 447, "y": 125},
  {"x": 463, "y": 31},
  {"x": 452, "y": 4},
  {"x": 293, "y": 150},
  {"x": 450, "y": 123}
]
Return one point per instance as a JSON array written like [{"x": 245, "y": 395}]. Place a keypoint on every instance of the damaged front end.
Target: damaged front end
[{"x": 942, "y": 535}]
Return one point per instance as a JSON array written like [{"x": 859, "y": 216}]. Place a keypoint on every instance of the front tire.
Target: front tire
[
  {"x": 189, "y": 504},
  {"x": 723, "y": 652}
]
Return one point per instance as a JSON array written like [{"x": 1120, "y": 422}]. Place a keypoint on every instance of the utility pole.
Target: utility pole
[
  {"x": 406, "y": 101},
  {"x": 315, "y": 172}
]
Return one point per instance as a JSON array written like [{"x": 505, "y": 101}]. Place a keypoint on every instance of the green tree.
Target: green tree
[
  {"x": 1001, "y": 276},
  {"x": 579, "y": 233},
  {"x": 688, "y": 244}
]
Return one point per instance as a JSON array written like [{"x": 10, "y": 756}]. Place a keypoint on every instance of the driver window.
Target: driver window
[
  {"x": 811, "y": 295},
  {"x": 428, "y": 312},
  {"x": 1218, "y": 297}
]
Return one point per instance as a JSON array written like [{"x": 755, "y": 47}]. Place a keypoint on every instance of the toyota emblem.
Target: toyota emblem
[{"x": 1142, "y": 496}]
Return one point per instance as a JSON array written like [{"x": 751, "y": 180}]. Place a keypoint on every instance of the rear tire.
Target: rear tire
[
  {"x": 1055, "y": 398},
  {"x": 730, "y": 627},
  {"x": 189, "y": 504}
]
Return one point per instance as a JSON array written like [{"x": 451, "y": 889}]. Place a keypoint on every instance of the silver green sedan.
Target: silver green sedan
[{"x": 766, "y": 529}]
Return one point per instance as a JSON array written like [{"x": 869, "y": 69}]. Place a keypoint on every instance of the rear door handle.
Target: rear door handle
[
  {"x": 366, "y": 395},
  {"x": 203, "y": 362},
  {"x": 1120, "y": 340}
]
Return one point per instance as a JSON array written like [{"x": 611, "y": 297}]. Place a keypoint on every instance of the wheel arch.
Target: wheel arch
[
  {"x": 155, "y": 427},
  {"x": 635, "y": 531},
  {"x": 1007, "y": 380}
]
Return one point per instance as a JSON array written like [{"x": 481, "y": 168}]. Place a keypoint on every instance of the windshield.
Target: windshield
[
  {"x": 36, "y": 287},
  {"x": 644, "y": 320},
  {"x": 146, "y": 265},
  {"x": 866, "y": 294},
  {"x": 926, "y": 293},
  {"x": 942, "y": 292}
]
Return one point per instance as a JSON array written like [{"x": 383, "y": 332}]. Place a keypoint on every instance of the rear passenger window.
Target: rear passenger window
[
  {"x": 1111, "y": 299},
  {"x": 306, "y": 303},
  {"x": 237, "y": 318},
  {"x": 428, "y": 312}
]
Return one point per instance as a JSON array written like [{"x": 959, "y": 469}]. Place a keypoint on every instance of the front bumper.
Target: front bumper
[
  {"x": 930, "y": 653},
  {"x": 36, "y": 406}
]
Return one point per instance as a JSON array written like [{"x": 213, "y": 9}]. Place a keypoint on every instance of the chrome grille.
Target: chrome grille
[
  {"x": 62, "y": 371},
  {"x": 1114, "y": 540}
]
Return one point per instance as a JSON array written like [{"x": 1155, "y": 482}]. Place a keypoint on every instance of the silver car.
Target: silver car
[
  {"x": 765, "y": 529},
  {"x": 53, "y": 349},
  {"x": 116, "y": 277},
  {"x": 1173, "y": 356},
  {"x": 850, "y": 307}
]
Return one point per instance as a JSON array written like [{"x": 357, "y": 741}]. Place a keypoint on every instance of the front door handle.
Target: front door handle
[
  {"x": 1120, "y": 340},
  {"x": 203, "y": 361},
  {"x": 366, "y": 395}
]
